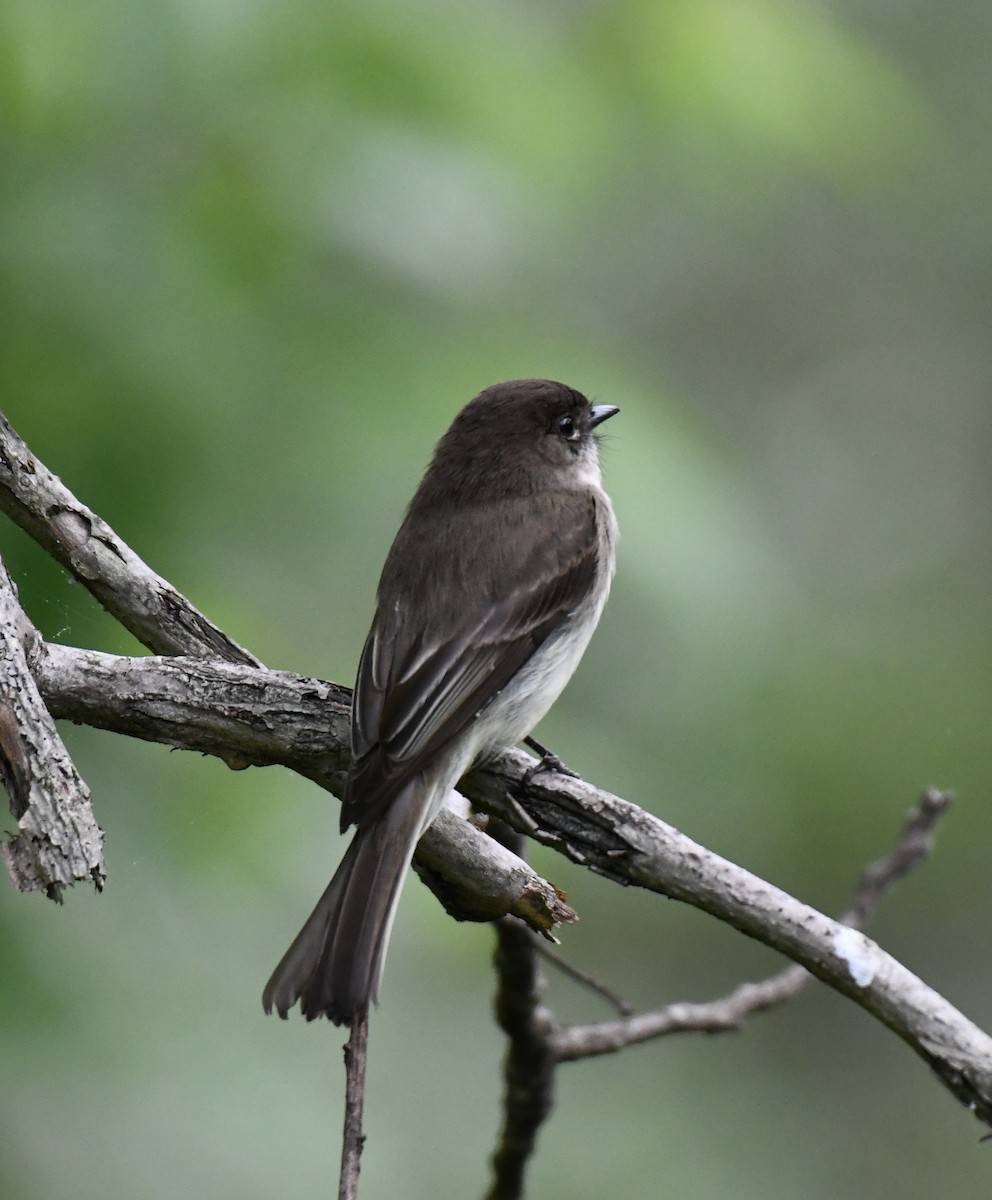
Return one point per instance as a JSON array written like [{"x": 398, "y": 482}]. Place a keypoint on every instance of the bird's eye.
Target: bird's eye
[{"x": 566, "y": 426}]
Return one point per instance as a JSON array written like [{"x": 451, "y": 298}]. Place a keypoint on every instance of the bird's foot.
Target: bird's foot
[{"x": 549, "y": 761}]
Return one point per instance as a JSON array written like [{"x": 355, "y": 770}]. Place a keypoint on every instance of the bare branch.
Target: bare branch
[
  {"x": 250, "y": 716},
  {"x": 571, "y": 1043},
  {"x": 144, "y": 603},
  {"x": 713, "y": 1016},
  {"x": 478, "y": 879},
  {"x": 590, "y": 826},
  {"x": 242, "y": 714},
  {"x": 529, "y": 1065},
  {"x": 529, "y": 1069},
  {"x": 730, "y": 1012},
  {"x": 59, "y": 842},
  {"x": 586, "y": 980},
  {"x": 625, "y": 843},
  {"x": 353, "y": 1140},
  {"x": 915, "y": 845}
]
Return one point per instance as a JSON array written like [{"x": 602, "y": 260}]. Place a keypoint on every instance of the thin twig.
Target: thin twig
[
  {"x": 713, "y": 1016},
  {"x": 353, "y": 1140},
  {"x": 915, "y": 845},
  {"x": 588, "y": 981}
]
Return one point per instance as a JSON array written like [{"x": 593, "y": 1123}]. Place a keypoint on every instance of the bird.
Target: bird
[{"x": 487, "y": 600}]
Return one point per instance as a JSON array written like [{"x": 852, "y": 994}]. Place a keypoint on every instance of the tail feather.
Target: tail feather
[{"x": 335, "y": 962}]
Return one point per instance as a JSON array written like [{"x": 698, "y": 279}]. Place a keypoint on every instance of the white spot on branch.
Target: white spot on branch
[{"x": 859, "y": 953}]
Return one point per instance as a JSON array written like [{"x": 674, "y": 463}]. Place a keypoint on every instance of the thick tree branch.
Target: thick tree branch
[
  {"x": 242, "y": 714},
  {"x": 250, "y": 716},
  {"x": 59, "y": 841}
]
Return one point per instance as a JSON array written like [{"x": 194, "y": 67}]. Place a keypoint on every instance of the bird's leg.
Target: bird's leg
[{"x": 549, "y": 761}]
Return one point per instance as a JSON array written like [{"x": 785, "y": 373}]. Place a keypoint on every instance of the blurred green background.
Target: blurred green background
[{"x": 254, "y": 258}]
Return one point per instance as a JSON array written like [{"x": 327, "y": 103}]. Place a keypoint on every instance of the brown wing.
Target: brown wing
[{"x": 420, "y": 685}]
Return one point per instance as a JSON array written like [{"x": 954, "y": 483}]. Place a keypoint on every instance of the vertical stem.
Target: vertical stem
[
  {"x": 355, "y": 1056},
  {"x": 529, "y": 1066}
]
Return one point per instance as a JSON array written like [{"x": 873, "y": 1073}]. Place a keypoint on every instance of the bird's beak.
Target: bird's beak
[{"x": 602, "y": 412}]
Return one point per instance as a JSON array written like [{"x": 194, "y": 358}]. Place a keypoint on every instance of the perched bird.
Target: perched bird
[{"x": 488, "y": 598}]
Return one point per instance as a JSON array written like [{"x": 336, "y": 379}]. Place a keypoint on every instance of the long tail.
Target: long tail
[{"x": 335, "y": 962}]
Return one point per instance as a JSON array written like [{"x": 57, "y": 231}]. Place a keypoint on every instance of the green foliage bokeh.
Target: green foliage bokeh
[{"x": 254, "y": 258}]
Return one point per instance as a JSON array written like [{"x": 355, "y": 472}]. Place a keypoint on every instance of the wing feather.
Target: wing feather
[{"x": 420, "y": 687}]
